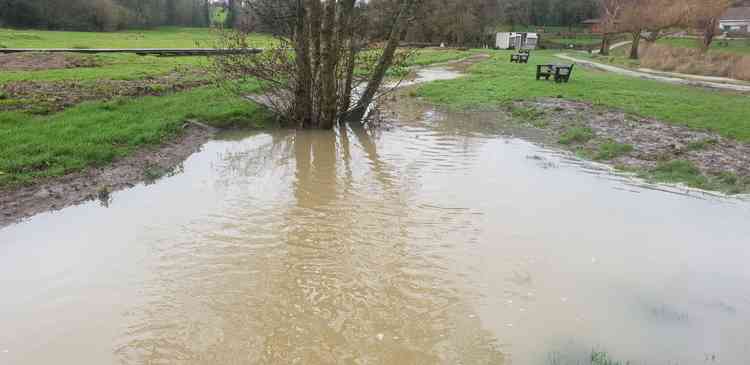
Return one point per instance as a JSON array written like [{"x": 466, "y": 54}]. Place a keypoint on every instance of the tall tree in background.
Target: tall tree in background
[
  {"x": 103, "y": 15},
  {"x": 171, "y": 11},
  {"x": 610, "y": 13},
  {"x": 704, "y": 16},
  {"x": 635, "y": 17},
  {"x": 231, "y": 11}
]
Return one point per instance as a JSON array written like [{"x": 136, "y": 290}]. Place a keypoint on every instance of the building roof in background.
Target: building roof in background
[{"x": 740, "y": 13}]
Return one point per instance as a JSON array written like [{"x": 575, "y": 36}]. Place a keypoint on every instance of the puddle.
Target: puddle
[{"x": 439, "y": 241}]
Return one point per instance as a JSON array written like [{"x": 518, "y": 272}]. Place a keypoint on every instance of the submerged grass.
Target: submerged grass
[
  {"x": 496, "y": 82},
  {"x": 97, "y": 133},
  {"x": 685, "y": 172}
]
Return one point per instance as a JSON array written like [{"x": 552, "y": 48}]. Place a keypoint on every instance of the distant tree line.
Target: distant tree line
[{"x": 103, "y": 15}]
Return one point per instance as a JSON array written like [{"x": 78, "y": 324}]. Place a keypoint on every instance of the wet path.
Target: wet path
[{"x": 440, "y": 241}]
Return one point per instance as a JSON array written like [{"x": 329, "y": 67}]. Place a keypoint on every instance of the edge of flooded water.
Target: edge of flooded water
[{"x": 98, "y": 183}]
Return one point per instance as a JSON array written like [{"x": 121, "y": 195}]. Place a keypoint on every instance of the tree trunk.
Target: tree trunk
[
  {"x": 171, "y": 10},
  {"x": 315, "y": 30},
  {"x": 709, "y": 34},
  {"x": 383, "y": 64},
  {"x": 330, "y": 55},
  {"x": 346, "y": 32},
  {"x": 604, "y": 50},
  {"x": 303, "y": 110},
  {"x": 231, "y": 15},
  {"x": 635, "y": 45},
  {"x": 207, "y": 12}
]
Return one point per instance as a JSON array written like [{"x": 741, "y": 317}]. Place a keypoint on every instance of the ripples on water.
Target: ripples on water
[{"x": 437, "y": 242}]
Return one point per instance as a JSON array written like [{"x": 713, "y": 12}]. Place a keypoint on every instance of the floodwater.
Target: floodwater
[{"x": 438, "y": 241}]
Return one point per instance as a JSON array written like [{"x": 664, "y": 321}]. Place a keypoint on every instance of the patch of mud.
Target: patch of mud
[
  {"x": 52, "y": 96},
  {"x": 44, "y": 61},
  {"x": 146, "y": 165},
  {"x": 652, "y": 141}
]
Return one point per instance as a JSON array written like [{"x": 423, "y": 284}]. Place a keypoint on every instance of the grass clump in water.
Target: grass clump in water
[
  {"x": 576, "y": 135},
  {"x": 602, "y": 358},
  {"x": 679, "y": 171}
]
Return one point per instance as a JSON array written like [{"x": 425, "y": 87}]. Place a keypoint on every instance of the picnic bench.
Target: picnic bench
[
  {"x": 519, "y": 58},
  {"x": 559, "y": 73}
]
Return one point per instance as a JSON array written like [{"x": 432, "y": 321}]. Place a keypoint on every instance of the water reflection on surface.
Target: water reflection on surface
[{"x": 439, "y": 241}]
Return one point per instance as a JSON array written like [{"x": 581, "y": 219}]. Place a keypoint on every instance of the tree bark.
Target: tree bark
[
  {"x": 315, "y": 30},
  {"x": 384, "y": 63},
  {"x": 231, "y": 15},
  {"x": 207, "y": 12},
  {"x": 303, "y": 110},
  {"x": 709, "y": 34},
  {"x": 346, "y": 31},
  {"x": 636, "y": 43},
  {"x": 330, "y": 56}
]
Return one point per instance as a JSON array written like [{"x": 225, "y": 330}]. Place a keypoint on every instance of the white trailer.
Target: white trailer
[
  {"x": 506, "y": 40},
  {"x": 531, "y": 41}
]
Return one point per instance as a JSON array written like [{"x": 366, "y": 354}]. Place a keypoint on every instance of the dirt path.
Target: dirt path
[
  {"x": 693, "y": 81},
  {"x": 615, "y": 46}
]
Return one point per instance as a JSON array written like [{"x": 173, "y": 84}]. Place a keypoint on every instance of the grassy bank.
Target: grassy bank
[
  {"x": 96, "y": 133},
  {"x": 496, "y": 82}
]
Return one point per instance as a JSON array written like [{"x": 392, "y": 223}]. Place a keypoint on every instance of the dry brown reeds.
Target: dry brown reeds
[{"x": 693, "y": 61}]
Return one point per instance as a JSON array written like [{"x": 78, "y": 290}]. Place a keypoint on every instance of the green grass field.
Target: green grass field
[
  {"x": 165, "y": 37},
  {"x": 496, "y": 82},
  {"x": 740, "y": 46}
]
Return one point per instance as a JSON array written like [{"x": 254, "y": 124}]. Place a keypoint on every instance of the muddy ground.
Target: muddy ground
[
  {"x": 621, "y": 140},
  {"x": 146, "y": 165},
  {"x": 44, "y": 61},
  {"x": 44, "y": 97},
  {"x": 652, "y": 141}
]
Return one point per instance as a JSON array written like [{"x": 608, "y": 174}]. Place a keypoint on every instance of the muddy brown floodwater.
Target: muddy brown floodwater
[{"x": 438, "y": 241}]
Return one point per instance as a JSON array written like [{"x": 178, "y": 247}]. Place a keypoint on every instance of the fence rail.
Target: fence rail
[{"x": 168, "y": 52}]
